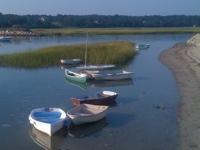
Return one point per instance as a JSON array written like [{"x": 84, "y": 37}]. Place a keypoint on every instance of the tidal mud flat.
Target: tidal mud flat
[{"x": 184, "y": 61}]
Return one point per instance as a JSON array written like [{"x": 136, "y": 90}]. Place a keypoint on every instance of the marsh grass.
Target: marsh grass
[
  {"x": 117, "y": 52},
  {"x": 113, "y": 31}
]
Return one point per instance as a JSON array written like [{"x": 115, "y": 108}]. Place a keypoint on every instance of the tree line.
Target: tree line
[{"x": 96, "y": 21}]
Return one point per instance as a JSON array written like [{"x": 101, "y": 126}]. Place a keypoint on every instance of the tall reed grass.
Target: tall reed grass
[{"x": 117, "y": 52}]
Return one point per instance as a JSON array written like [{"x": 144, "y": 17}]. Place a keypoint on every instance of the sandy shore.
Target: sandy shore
[{"x": 184, "y": 61}]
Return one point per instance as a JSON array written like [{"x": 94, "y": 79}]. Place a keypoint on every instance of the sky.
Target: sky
[{"x": 101, "y": 7}]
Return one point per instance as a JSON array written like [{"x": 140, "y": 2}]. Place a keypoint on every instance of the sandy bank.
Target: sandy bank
[{"x": 184, "y": 61}]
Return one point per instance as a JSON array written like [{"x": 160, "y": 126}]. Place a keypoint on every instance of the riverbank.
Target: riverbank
[
  {"x": 184, "y": 60},
  {"x": 117, "y": 52},
  {"x": 113, "y": 31}
]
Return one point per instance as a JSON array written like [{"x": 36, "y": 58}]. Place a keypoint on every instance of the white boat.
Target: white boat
[
  {"x": 70, "y": 61},
  {"x": 47, "y": 120},
  {"x": 112, "y": 76},
  {"x": 96, "y": 67},
  {"x": 86, "y": 113},
  {"x": 78, "y": 77},
  {"x": 5, "y": 39},
  {"x": 142, "y": 46}
]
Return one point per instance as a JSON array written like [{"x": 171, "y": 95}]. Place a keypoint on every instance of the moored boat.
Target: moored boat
[
  {"x": 96, "y": 67},
  {"x": 47, "y": 120},
  {"x": 102, "y": 98},
  {"x": 5, "y": 39},
  {"x": 142, "y": 46},
  {"x": 78, "y": 77},
  {"x": 86, "y": 113},
  {"x": 112, "y": 76},
  {"x": 70, "y": 61}
]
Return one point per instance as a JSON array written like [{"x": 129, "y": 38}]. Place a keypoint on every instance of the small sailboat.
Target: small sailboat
[
  {"x": 112, "y": 76},
  {"x": 78, "y": 77},
  {"x": 86, "y": 113},
  {"x": 93, "y": 67},
  {"x": 102, "y": 98},
  {"x": 47, "y": 120}
]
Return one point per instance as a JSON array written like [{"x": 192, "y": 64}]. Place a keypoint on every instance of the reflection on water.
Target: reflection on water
[
  {"x": 56, "y": 141},
  {"x": 93, "y": 83},
  {"x": 110, "y": 83},
  {"x": 48, "y": 142},
  {"x": 80, "y": 85},
  {"x": 84, "y": 130}
]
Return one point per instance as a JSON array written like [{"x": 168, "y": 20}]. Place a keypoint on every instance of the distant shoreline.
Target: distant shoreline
[
  {"x": 96, "y": 31},
  {"x": 181, "y": 59}
]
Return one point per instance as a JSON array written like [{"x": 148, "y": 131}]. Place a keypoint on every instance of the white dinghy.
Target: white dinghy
[
  {"x": 112, "y": 76},
  {"x": 47, "y": 120},
  {"x": 86, "y": 113}
]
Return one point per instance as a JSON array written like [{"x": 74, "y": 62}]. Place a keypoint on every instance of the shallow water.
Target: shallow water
[{"x": 143, "y": 119}]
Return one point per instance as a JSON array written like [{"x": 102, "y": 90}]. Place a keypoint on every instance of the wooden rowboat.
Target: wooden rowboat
[
  {"x": 86, "y": 113},
  {"x": 102, "y": 98}
]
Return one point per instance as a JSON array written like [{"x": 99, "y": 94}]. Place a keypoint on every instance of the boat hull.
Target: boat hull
[
  {"x": 75, "y": 77},
  {"x": 82, "y": 80},
  {"x": 81, "y": 118},
  {"x": 45, "y": 127},
  {"x": 106, "y": 100},
  {"x": 112, "y": 77},
  {"x": 88, "y": 119},
  {"x": 96, "y": 67},
  {"x": 119, "y": 76}
]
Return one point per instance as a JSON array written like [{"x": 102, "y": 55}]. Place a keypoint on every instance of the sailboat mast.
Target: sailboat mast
[{"x": 86, "y": 48}]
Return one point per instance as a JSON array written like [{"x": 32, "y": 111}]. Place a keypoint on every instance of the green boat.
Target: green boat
[
  {"x": 81, "y": 85},
  {"x": 78, "y": 77}
]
